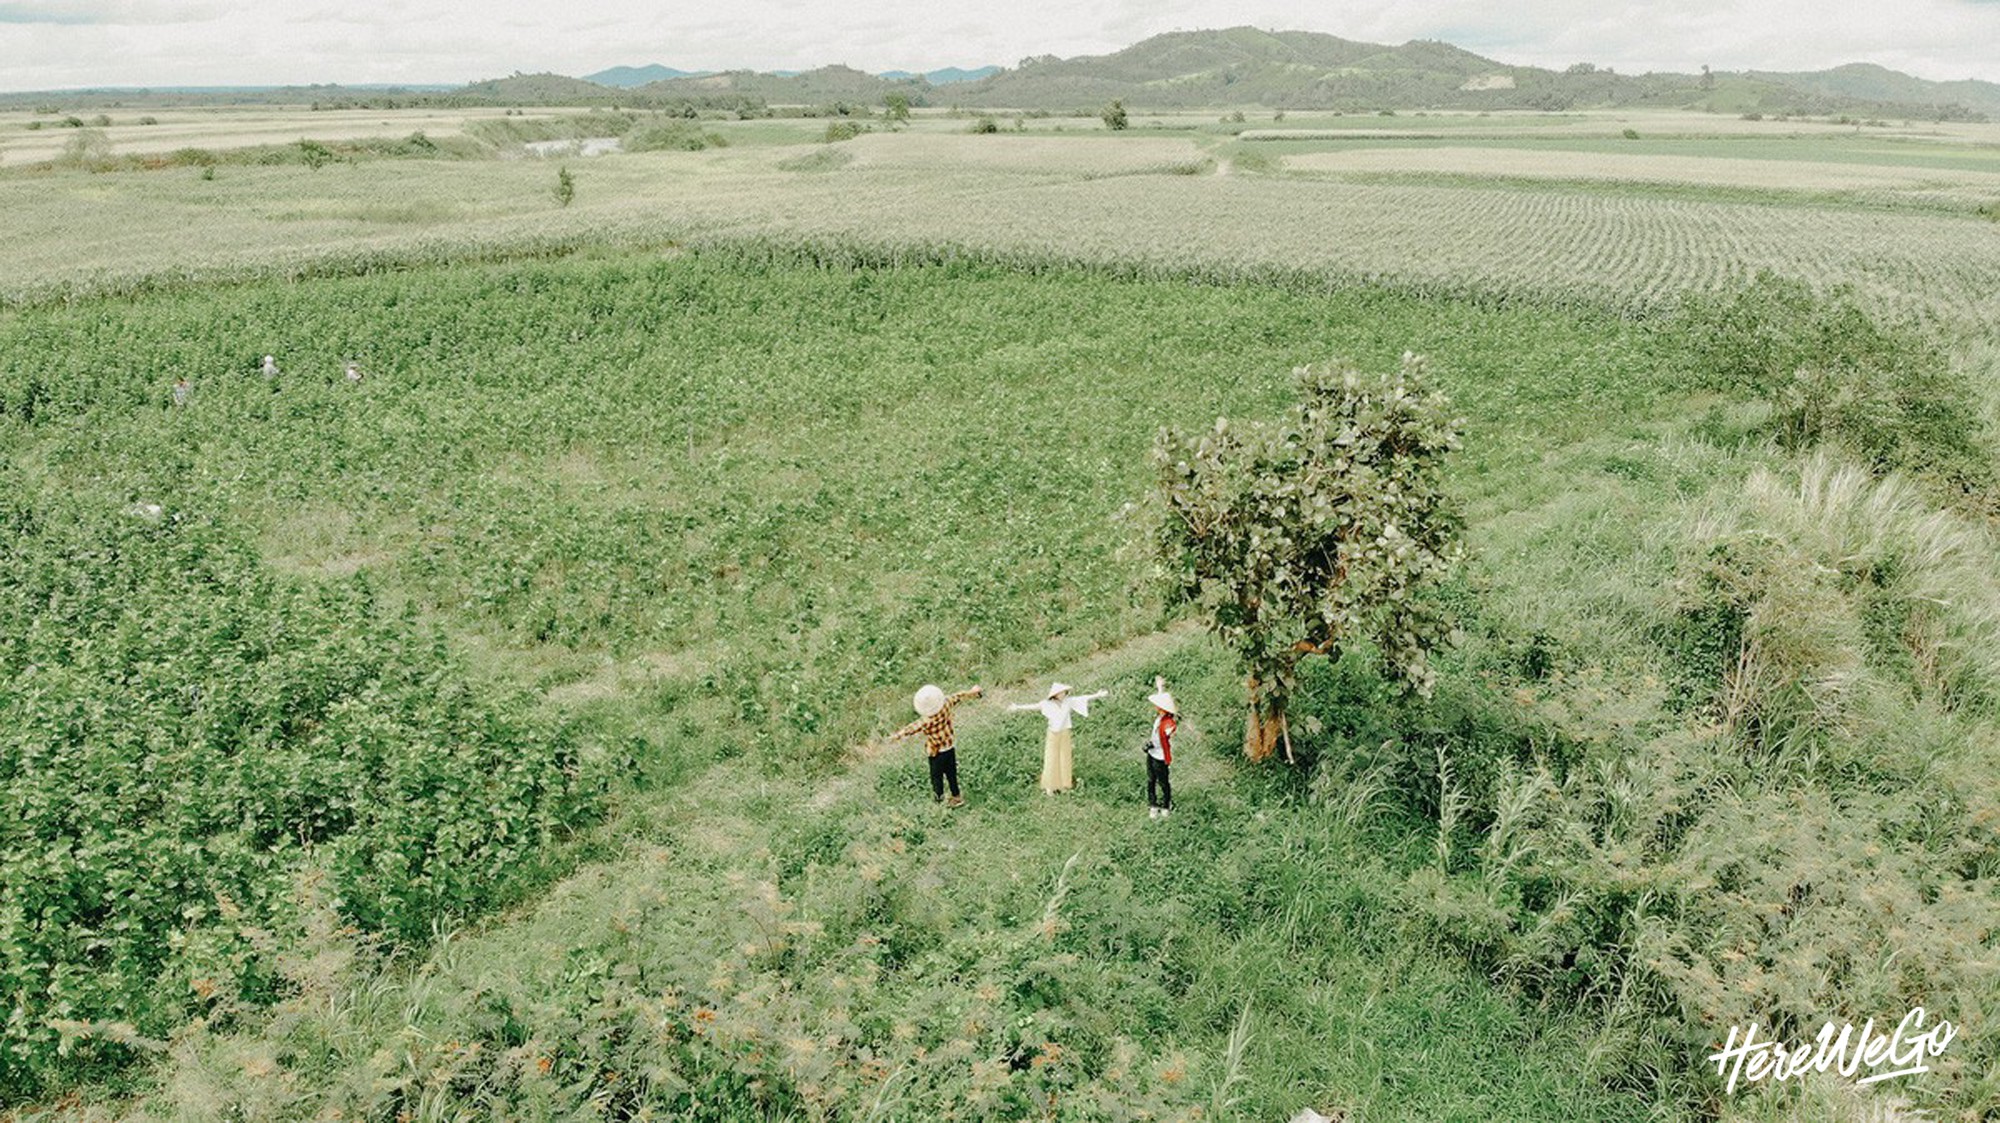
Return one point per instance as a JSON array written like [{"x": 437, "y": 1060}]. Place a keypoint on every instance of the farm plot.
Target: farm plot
[
  {"x": 1774, "y": 175},
  {"x": 788, "y": 493},
  {"x": 78, "y": 233}
]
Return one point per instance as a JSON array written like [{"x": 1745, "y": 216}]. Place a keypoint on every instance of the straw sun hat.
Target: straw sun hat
[{"x": 929, "y": 700}]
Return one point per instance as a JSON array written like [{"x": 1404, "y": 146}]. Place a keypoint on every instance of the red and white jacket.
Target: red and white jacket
[{"x": 1161, "y": 747}]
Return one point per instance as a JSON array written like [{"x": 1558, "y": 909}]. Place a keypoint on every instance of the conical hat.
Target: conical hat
[
  {"x": 1164, "y": 701},
  {"x": 1058, "y": 688},
  {"x": 929, "y": 700}
]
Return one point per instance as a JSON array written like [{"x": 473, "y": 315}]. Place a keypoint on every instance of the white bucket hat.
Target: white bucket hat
[
  {"x": 1058, "y": 688},
  {"x": 929, "y": 700}
]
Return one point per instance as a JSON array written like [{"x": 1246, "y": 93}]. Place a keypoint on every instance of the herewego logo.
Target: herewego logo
[{"x": 1849, "y": 1054}]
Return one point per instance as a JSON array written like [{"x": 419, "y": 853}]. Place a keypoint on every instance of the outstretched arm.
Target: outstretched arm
[
  {"x": 909, "y": 730},
  {"x": 970, "y": 692},
  {"x": 1092, "y": 697},
  {"x": 1025, "y": 706}
]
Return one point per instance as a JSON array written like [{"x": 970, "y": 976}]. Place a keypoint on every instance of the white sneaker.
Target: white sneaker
[
  {"x": 1165, "y": 812},
  {"x": 1152, "y": 812}
]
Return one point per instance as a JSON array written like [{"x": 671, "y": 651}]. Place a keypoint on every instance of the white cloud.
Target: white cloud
[{"x": 67, "y": 43}]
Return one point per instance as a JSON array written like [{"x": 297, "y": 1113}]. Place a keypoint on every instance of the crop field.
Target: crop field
[
  {"x": 1909, "y": 176},
  {"x": 504, "y": 734},
  {"x": 1154, "y": 207},
  {"x": 27, "y": 137}
]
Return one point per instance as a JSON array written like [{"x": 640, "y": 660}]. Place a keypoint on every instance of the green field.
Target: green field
[{"x": 511, "y": 722}]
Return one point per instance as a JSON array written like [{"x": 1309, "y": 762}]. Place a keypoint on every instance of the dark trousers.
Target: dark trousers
[
  {"x": 944, "y": 769},
  {"x": 1159, "y": 786}
]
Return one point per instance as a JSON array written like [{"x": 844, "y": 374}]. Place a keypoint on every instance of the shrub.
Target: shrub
[
  {"x": 1792, "y": 829},
  {"x": 315, "y": 155},
  {"x": 565, "y": 190},
  {"x": 984, "y": 123},
  {"x": 182, "y": 731},
  {"x": 89, "y": 149},
  {"x": 672, "y": 135},
  {"x": 837, "y": 131},
  {"x": 1114, "y": 116},
  {"x": 1832, "y": 372}
]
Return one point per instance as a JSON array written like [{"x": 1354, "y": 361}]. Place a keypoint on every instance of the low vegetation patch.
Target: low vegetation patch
[{"x": 183, "y": 732}]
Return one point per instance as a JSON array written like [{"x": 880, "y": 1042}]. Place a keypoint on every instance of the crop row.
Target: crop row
[{"x": 72, "y": 234}]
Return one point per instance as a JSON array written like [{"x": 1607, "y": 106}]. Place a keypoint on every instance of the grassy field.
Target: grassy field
[{"x": 689, "y": 483}]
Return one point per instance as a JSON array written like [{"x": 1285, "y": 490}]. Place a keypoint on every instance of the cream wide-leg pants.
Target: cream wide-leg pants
[{"x": 1058, "y": 762}]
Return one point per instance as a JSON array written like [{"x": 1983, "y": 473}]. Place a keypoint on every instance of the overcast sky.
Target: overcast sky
[{"x": 57, "y": 44}]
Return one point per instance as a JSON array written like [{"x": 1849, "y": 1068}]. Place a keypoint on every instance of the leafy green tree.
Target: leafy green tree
[
  {"x": 1316, "y": 533},
  {"x": 896, "y": 106},
  {"x": 1114, "y": 115},
  {"x": 565, "y": 187}
]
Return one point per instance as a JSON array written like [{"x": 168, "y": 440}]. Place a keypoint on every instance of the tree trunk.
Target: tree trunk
[{"x": 1264, "y": 726}]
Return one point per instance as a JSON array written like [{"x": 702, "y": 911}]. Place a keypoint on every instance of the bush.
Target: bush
[
  {"x": 672, "y": 135},
  {"x": 1114, "y": 116},
  {"x": 984, "y": 123},
  {"x": 182, "y": 733},
  {"x": 837, "y": 131},
  {"x": 1831, "y": 372},
  {"x": 89, "y": 149},
  {"x": 315, "y": 155},
  {"x": 1792, "y": 828}
]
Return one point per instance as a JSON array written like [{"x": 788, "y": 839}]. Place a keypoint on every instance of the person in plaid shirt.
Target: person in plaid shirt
[{"x": 934, "y": 721}]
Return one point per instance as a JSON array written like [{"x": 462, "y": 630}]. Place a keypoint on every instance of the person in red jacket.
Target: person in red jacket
[{"x": 1160, "y": 752}]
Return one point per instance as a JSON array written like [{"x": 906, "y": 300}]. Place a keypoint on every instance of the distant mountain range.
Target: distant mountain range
[
  {"x": 1247, "y": 66},
  {"x": 627, "y": 77},
  {"x": 947, "y": 76},
  {"x": 1238, "y": 66},
  {"x": 632, "y": 77}
]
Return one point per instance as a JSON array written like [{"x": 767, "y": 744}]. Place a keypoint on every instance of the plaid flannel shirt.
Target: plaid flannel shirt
[{"x": 937, "y": 728}]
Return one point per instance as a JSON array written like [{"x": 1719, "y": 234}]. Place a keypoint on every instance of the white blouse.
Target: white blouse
[{"x": 1058, "y": 711}]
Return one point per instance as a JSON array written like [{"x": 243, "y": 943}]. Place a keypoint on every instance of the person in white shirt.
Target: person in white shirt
[
  {"x": 353, "y": 371},
  {"x": 270, "y": 367},
  {"x": 182, "y": 390},
  {"x": 1058, "y": 755}
]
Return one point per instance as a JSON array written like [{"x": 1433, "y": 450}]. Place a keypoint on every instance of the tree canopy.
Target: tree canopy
[{"x": 1317, "y": 532}]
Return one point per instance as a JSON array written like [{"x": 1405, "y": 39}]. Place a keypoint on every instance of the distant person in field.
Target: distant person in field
[
  {"x": 1058, "y": 756},
  {"x": 1160, "y": 752},
  {"x": 934, "y": 721},
  {"x": 270, "y": 367},
  {"x": 353, "y": 371},
  {"x": 182, "y": 390}
]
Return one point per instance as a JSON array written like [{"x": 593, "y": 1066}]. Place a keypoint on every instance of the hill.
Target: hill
[
  {"x": 1310, "y": 70},
  {"x": 628, "y": 77},
  {"x": 945, "y": 76},
  {"x": 1869, "y": 82},
  {"x": 539, "y": 89},
  {"x": 811, "y": 87}
]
